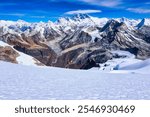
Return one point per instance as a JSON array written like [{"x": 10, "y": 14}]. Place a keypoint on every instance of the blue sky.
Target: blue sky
[{"x": 44, "y": 10}]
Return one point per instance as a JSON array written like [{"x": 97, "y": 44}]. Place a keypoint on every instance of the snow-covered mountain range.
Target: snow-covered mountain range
[
  {"x": 116, "y": 52},
  {"x": 80, "y": 41}
]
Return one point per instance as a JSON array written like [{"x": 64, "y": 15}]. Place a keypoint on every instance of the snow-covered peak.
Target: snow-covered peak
[
  {"x": 128, "y": 22},
  {"x": 76, "y": 20},
  {"x": 100, "y": 21},
  {"x": 73, "y": 19},
  {"x": 64, "y": 20},
  {"x": 80, "y": 16},
  {"x": 123, "y": 19},
  {"x": 10, "y": 23},
  {"x": 144, "y": 22},
  {"x": 64, "y": 24},
  {"x": 6, "y": 23},
  {"x": 22, "y": 22},
  {"x": 81, "y": 20}
]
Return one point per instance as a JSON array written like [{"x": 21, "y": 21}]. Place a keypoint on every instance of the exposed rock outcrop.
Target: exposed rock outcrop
[{"x": 8, "y": 54}]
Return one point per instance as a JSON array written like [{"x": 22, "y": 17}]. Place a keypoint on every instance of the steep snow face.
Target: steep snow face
[
  {"x": 28, "y": 29},
  {"x": 128, "y": 22},
  {"x": 80, "y": 16},
  {"x": 82, "y": 20},
  {"x": 66, "y": 23},
  {"x": 144, "y": 22},
  {"x": 27, "y": 60},
  {"x": 23, "y": 82},
  {"x": 19, "y": 25},
  {"x": 100, "y": 21}
]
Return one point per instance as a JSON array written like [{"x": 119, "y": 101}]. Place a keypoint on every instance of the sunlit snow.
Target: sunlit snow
[{"x": 24, "y": 82}]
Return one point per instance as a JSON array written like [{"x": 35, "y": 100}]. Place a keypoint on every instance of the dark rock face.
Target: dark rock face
[
  {"x": 90, "y": 64},
  {"x": 145, "y": 33},
  {"x": 69, "y": 59},
  {"x": 44, "y": 55},
  {"x": 94, "y": 58},
  {"x": 78, "y": 37},
  {"x": 133, "y": 50},
  {"x": 77, "y": 60},
  {"x": 119, "y": 37}
]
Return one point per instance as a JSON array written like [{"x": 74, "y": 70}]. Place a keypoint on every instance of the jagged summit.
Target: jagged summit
[
  {"x": 110, "y": 25},
  {"x": 128, "y": 22},
  {"x": 124, "y": 19},
  {"x": 63, "y": 20},
  {"x": 76, "y": 17}
]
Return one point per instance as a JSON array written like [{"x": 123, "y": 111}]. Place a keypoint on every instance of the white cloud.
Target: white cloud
[
  {"x": 147, "y": 3},
  {"x": 8, "y": 4},
  {"x": 139, "y": 10},
  {"x": 83, "y": 11},
  {"x": 12, "y": 14},
  {"x": 110, "y": 3},
  {"x": 38, "y": 17},
  {"x": 105, "y": 3}
]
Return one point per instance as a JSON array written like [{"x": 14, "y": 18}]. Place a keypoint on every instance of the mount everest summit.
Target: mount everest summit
[{"x": 78, "y": 42}]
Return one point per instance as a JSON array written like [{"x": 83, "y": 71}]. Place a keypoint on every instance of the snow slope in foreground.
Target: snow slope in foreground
[
  {"x": 24, "y": 82},
  {"x": 135, "y": 66},
  {"x": 141, "y": 67}
]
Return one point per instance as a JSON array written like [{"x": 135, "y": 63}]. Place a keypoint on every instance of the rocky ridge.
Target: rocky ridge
[{"x": 78, "y": 42}]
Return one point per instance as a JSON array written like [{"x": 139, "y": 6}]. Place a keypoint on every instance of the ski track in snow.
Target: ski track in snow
[{"x": 24, "y": 82}]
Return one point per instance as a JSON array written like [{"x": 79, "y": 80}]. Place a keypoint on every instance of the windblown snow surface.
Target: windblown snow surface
[{"x": 30, "y": 82}]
